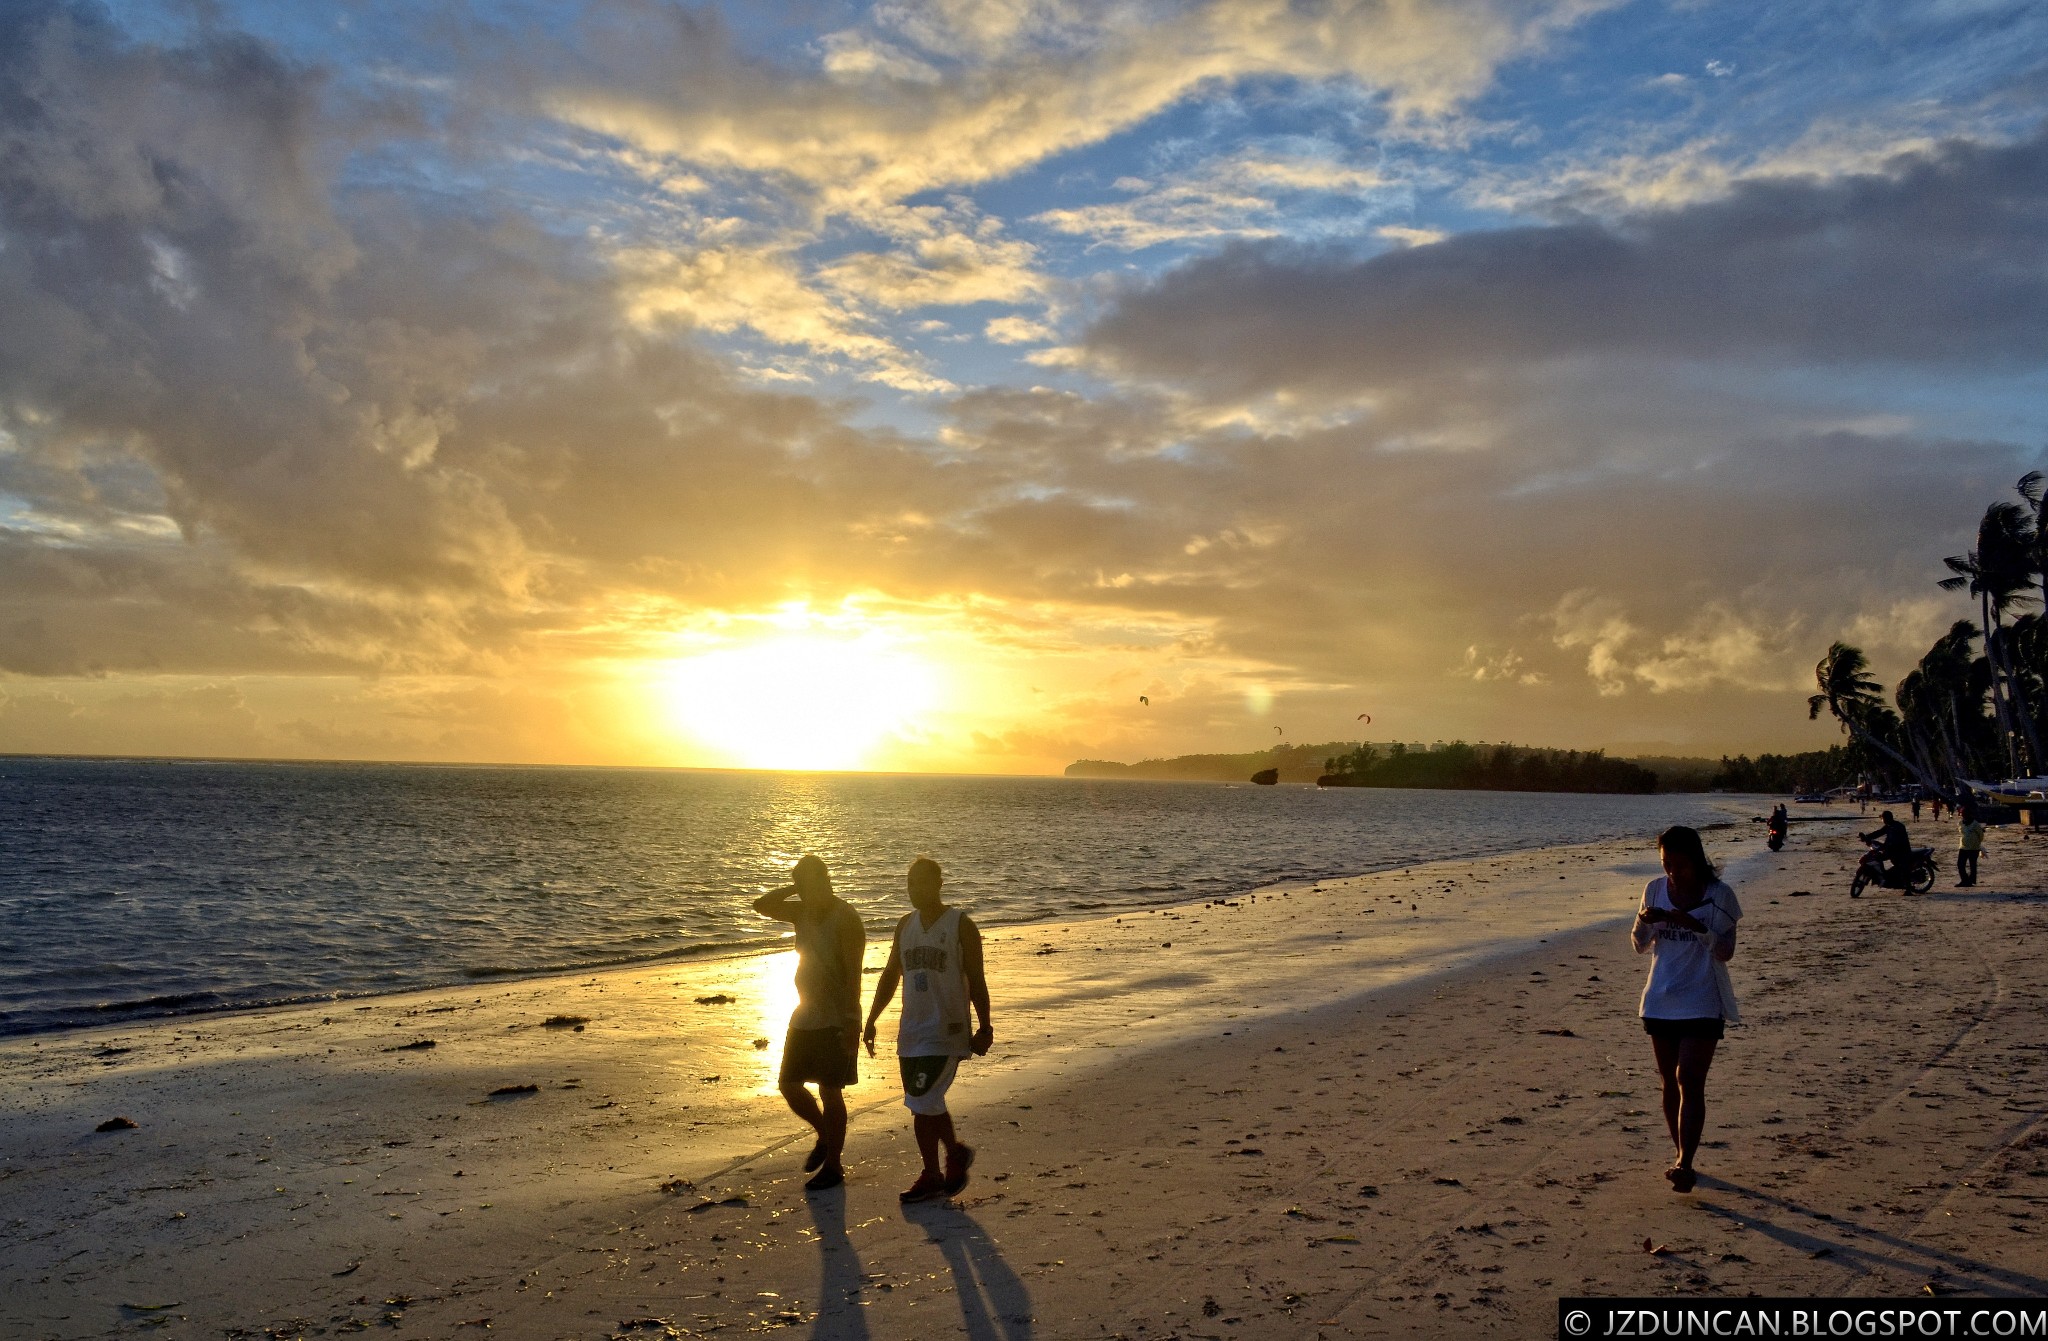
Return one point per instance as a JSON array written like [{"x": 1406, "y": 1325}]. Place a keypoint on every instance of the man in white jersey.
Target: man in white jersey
[{"x": 936, "y": 955}]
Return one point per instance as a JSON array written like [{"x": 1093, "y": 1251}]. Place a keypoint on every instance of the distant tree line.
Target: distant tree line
[
  {"x": 1494, "y": 768},
  {"x": 1811, "y": 771},
  {"x": 1962, "y": 713}
]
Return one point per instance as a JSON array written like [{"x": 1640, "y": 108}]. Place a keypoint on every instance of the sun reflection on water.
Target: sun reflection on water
[{"x": 775, "y": 995}]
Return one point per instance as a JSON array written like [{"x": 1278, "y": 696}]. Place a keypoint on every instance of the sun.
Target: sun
[{"x": 800, "y": 700}]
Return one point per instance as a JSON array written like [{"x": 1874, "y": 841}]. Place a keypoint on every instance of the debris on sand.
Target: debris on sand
[
  {"x": 1558, "y": 1033},
  {"x": 718, "y": 999},
  {"x": 760, "y": 1045},
  {"x": 634, "y": 1328},
  {"x": 676, "y": 1186},
  {"x": 515, "y": 1089},
  {"x": 565, "y": 1022},
  {"x": 714, "y": 1205},
  {"x": 118, "y": 1124},
  {"x": 1656, "y": 1249},
  {"x": 417, "y": 1045}
]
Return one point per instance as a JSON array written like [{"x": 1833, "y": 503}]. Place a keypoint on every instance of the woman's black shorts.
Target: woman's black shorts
[{"x": 1710, "y": 1027}]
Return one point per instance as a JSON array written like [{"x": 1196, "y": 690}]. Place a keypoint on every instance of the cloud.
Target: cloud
[
  {"x": 1502, "y": 667},
  {"x": 1018, "y": 85},
  {"x": 1410, "y": 237},
  {"x": 1938, "y": 263},
  {"x": 1714, "y": 646},
  {"x": 761, "y": 290},
  {"x": 400, "y": 458},
  {"x": 946, "y": 258},
  {"x": 1018, "y": 331},
  {"x": 1247, "y": 195}
]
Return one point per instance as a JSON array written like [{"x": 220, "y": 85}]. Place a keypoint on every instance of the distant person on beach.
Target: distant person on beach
[
  {"x": 1969, "y": 842},
  {"x": 936, "y": 955},
  {"x": 1687, "y": 925},
  {"x": 824, "y": 1031}
]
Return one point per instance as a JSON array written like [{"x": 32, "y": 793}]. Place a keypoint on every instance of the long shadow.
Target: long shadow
[
  {"x": 1901, "y": 1254},
  {"x": 840, "y": 1314},
  {"x": 994, "y": 1305},
  {"x": 1984, "y": 896}
]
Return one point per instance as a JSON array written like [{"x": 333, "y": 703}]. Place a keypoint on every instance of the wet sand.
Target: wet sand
[{"x": 1410, "y": 1102}]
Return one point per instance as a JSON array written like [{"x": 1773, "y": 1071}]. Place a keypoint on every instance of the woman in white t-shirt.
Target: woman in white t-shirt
[{"x": 1687, "y": 924}]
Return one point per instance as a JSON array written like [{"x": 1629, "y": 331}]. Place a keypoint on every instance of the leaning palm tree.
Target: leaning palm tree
[
  {"x": 1949, "y": 696},
  {"x": 2000, "y": 573},
  {"x": 2036, "y": 497},
  {"x": 1920, "y": 705},
  {"x": 1853, "y": 697}
]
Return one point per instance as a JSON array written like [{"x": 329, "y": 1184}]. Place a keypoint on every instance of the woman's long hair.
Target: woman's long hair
[{"x": 1682, "y": 840}]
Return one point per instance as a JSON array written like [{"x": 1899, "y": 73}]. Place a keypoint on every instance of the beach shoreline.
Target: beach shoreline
[
  {"x": 147, "y": 893},
  {"x": 119, "y": 1016},
  {"x": 275, "y": 1146}
]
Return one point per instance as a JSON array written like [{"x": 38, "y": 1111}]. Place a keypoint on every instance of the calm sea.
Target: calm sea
[{"x": 137, "y": 889}]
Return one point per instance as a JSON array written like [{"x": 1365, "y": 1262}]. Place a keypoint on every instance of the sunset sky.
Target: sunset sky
[{"x": 916, "y": 385}]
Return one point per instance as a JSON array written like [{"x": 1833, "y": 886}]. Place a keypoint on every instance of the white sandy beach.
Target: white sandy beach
[{"x": 1413, "y": 1101}]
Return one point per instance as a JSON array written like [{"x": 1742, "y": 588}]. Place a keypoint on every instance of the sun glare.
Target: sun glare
[{"x": 801, "y": 700}]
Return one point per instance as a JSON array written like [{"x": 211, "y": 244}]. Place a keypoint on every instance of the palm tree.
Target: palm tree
[
  {"x": 1854, "y": 697},
  {"x": 2030, "y": 489},
  {"x": 1919, "y": 700},
  {"x": 1950, "y": 692},
  {"x": 2026, "y": 650},
  {"x": 1999, "y": 573}
]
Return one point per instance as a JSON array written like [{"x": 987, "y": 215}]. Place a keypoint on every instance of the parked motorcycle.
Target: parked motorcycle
[{"x": 1918, "y": 875}]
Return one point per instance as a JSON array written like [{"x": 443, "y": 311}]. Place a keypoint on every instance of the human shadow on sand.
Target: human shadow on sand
[
  {"x": 994, "y": 1305},
  {"x": 841, "y": 1316},
  {"x": 1992, "y": 895},
  {"x": 1861, "y": 1247}
]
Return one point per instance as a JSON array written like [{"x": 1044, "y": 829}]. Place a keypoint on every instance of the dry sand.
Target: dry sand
[{"x": 1412, "y": 1102}]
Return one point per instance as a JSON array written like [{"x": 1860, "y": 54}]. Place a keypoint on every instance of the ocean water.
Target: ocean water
[{"x": 137, "y": 889}]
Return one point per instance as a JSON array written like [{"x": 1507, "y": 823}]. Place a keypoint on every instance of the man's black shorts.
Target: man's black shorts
[{"x": 820, "y": 1057}]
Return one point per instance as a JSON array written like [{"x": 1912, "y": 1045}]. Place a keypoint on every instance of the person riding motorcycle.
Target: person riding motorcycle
[
  {"x": 1893, "y": 848},
  {"x": 1774, "y": 828}
]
